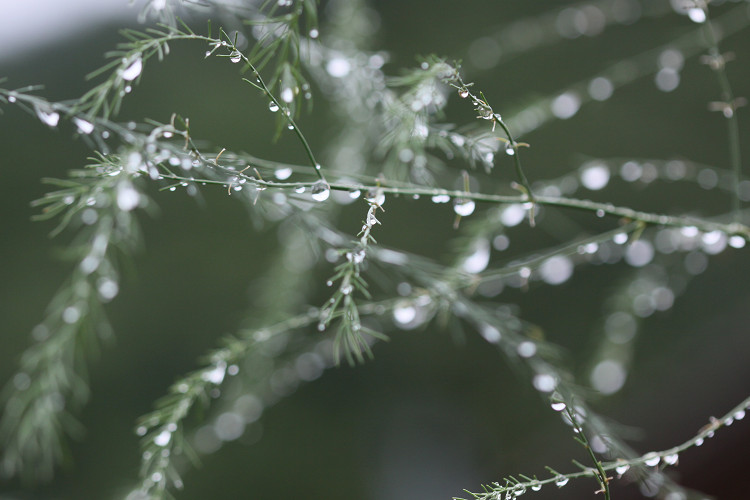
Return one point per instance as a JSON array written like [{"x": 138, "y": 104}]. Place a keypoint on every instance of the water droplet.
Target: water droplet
[
  {"x": 736, "y": 241},
  {"x": 273, "y": 107},
  {"x": 320, "y": 191},
  {"x": 299, "y": 189},
  {"x": 510, "y": 150},
  {"x": 71, "y": 314},
  {"x": 83, "y": 126},
  {"x": 536, "y": 487},
  {"x": 376, "y": 197},
  {"x": 107, "y": 288},
  {"x": 283, "y": 174},
  {"x": 651, "y": 460},
  {"x": 371, "y": 220},
  {"x": 739, "y": 415},
  {"x": 600, "y": 213},
  {"x": 128, "y": 197},
  {"x": 235, "y": 56},
  {"x": 163, "y": 438},
  {"x": 544, "y": 382},
  {"x": 464, "y": 207},
  {"x": 441, "y": 198},
  {"x": 556, "y": 270},
  {"x": 526, "y": 349},
  {"x": 595, "y": 177},
  {"x": 215, "y": 375},
  {"x": 622, "y": 469},
  {"x": 600, "y": 88},
  {"x": 697, "y": 15},
  {"x": 133, "y": 70},
  {"x": 48, "y": 116},
  {"x": 639, "y": 253},
  {"x": 699, "y": 442},
  {"x": 672, "y": 459},
  {"x": 347, "y": 289},
  {"x": 463, "y": 93},
  {"x": 478, "y": 260},
  {"x": 11, "y": 99},
  {"x": 566, "y": 105},
  {"x": 561, "y": 481},
  {"x": 354, "y": 193},
  {"x": 314, "y": 33},
  {"x": 141, "y": 430},
  {"x": 513, "y": 215},
  {"x": 338, "y": 67},
  {"x": 558, "y": 406},
  {"x": 404, "y": 313},
  {"x": 208, "y": 53},
  {"x": 620, "y": 238},
  {"x": 287, "y": 95},
  {"x": 357, "y": 257}
]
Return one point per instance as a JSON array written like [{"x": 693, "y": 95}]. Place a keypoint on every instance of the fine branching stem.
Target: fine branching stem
[{"x": 728, "y": 107}]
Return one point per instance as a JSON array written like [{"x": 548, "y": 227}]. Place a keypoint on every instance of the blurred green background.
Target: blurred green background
[{"x": 429, "y": 416}]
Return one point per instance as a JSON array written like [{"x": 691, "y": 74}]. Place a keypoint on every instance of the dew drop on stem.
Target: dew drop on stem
[
  {"x": 235, "y": 56},
  {"x": 558, "y": 406},
  {"x": 561, "y": 481},
  {"x": 48, "y": 116},
  {"x": 404, "y": 313},
  {"x": 464, "y": 207},
  {"x": 320, "y": 191},
  {"x": 622, "y": 469},
  {"x": 273, "y": 107},
  {"x": 83, "y": 126},
  {"x": 133, "y": 70},
  {"x": 163, "y": 438}
]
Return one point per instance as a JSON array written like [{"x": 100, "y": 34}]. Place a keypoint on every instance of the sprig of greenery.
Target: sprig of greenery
[
  {"x": 51, "y": 383},
  {"x": 349, "y": 336},
  {"x": 652, "y": 462},
  {"x": 280, "y": 28},
  {"x": 163, "y": 430}
]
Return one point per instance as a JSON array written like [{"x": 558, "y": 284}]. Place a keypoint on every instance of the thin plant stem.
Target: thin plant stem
[
  {"x": 600, "y": 209},
  {"x": 717, "y": 62},
  {"x": 601, "y": 475}
]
